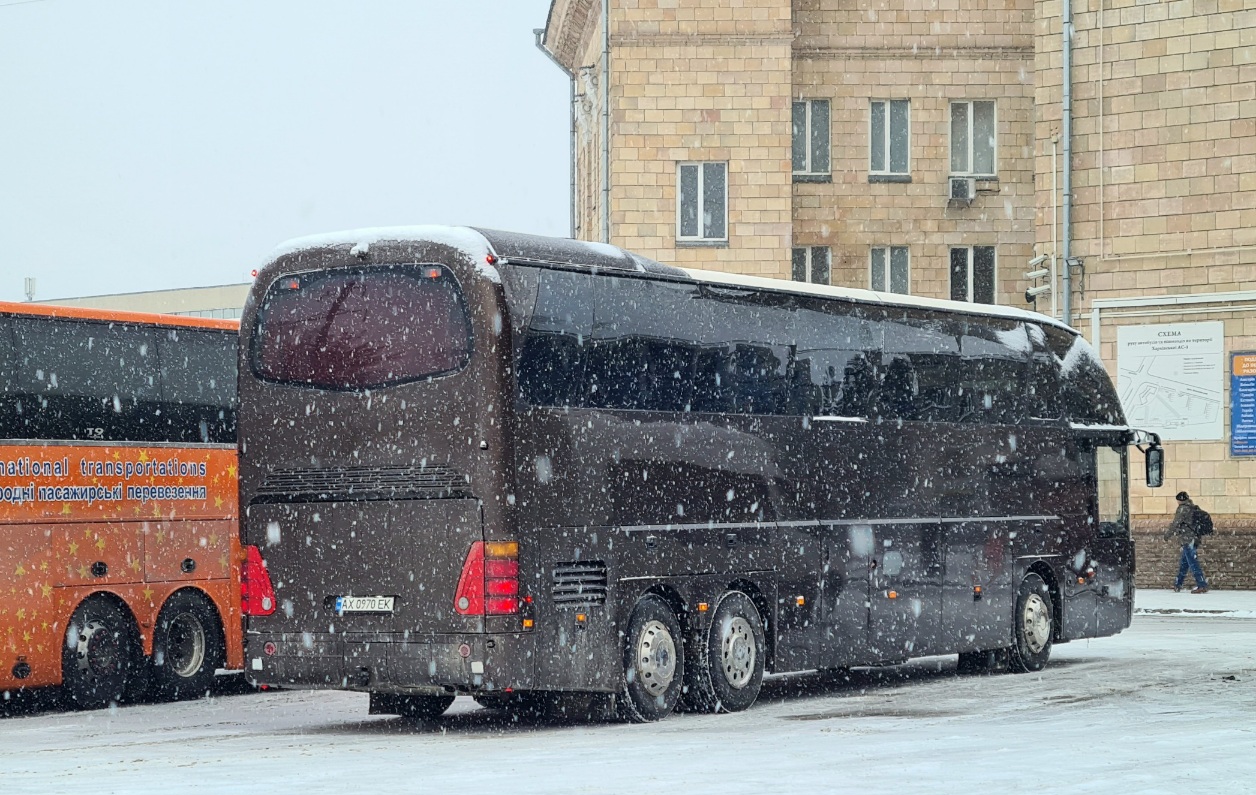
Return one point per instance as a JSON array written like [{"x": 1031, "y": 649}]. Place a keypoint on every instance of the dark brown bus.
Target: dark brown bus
[{"x": 493, "y": 464}]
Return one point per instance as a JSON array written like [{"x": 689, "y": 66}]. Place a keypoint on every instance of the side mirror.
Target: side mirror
[{"x": 1155, "y": 466}]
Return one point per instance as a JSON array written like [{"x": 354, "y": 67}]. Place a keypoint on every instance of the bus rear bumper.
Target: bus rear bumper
[{"x": 391, "y": 664}]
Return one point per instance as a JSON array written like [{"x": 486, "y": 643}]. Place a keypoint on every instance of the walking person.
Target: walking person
[{"x": 1189, "y": 524}]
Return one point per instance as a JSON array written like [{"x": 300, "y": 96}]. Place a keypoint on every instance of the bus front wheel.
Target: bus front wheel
[
  {"x": 654, "y": 664},
  {"x": 728, "y": 669},
  {"x": 1033, "y": 626},
  {"x": 101, "y": 655},
  {"x": 188, "y": 647}
]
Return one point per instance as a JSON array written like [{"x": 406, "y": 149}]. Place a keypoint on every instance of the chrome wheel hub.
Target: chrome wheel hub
[
  {"x": 185, "y": 651},
  {"x": 737, "y": 652},
  {"x": 1036, "y": 623},
  {"x": 98, "y": 651},
  {"x": 656, "y": 658}
]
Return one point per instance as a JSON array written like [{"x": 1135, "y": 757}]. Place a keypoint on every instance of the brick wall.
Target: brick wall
[{"x": 931, "y": 55}]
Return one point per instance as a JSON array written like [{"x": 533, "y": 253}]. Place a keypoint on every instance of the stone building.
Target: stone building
[{"x": 922, "y": 148}]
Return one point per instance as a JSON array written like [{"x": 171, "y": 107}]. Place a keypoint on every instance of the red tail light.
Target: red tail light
[
  {"x": 257, "y": 595},
  {"x": 489, "y": 583}
]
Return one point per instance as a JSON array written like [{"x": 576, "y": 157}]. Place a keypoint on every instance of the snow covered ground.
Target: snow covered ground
[{"x": 1168, "y": 706}]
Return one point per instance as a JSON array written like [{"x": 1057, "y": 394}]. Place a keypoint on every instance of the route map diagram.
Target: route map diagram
[{"x": 1170, "y": 378}]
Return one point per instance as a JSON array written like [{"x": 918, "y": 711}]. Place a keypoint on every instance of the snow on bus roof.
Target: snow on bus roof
[
  {"x": 463, "y": 238},
  {"x": 871, "y": 296}
]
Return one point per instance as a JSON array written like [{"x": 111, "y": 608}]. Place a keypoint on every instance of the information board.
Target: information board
[
  {"x": 1171, "y": 379},
  {"x": 1243, "y": 403}
]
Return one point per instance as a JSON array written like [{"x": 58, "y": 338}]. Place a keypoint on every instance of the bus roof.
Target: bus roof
[
  {"x": 476, "y": 243},
  {"x": 870, "y": 296},
  {"x": 116, "y": 316}
]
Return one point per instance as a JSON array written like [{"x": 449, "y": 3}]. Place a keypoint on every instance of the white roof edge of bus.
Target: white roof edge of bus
[
  {"x": 463, "y": 238},
  {"x": 1082, "y": 426},
  {"x": 871, "y": 296}
]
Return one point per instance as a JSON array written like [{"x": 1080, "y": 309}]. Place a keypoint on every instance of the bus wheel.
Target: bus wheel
[
  {"x": 729, "y": 665},
  {"x": 188, "y": 647},
  {"x": 1033, "y": 626},
  {"x": 654, "y": 665},
  {"x": 101, "y": 654}
]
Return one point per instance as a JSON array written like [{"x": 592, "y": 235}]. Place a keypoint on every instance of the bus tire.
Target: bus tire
[
  {"x": 1033, "y": 626},
  {"x": 188, "y": 647},
  {"x": 728, "y": 673},
  {"x": 101, "y": 655},
  {"x": 654, "y": 662}
]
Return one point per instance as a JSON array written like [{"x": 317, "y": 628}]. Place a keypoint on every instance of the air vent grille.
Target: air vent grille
[
  {"x": 361, "y": 483},
  {"x": 580, "y": 583}
]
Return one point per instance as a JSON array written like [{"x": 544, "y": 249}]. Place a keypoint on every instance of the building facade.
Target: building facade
[
  {"x": 223, "y": 301},
  {"x": 923, "y": 149}
]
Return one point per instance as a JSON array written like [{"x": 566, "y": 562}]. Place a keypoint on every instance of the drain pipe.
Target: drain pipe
[
  {"x": 1066, "y": 110},
  {"x": 606, "y": 121},
  {"x": 539, "y": 33}
]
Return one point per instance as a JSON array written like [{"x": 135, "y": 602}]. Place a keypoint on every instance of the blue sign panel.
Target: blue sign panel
[{"x": 1243, "y": 403}]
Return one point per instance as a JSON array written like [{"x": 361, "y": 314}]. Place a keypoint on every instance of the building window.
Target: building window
[
  {"x": 888, "y": 137},
  {"x": 702, "y": 212},
  {"x": 972, "y": 138},
  {"x": 972, "y": 274},
  {"x": 811, "y": 137},
  {"x": 890, "y": 269},
  {"x": 811, "y": 264}
]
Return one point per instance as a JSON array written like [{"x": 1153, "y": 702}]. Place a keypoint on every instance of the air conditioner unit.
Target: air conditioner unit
[{"x": 962, "y": 189}]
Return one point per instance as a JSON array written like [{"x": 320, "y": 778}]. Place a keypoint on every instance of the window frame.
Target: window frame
[
  {"x": 969, "y": 156},
  {"x": 809, "y": 259},
  {"x": 700, "y": 239},
  {"x": 972, "y": 256},
  {"x": 809, "y": 170},
  {"x": 889, "y": 267},
  {"x": 888, "y": 171}
]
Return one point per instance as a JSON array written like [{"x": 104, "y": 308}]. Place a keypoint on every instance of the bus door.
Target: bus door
[
  {"x": 905, "y": 589},
  {"x": 1099, "y": 600},
  {"x": 847, "y": 562}
]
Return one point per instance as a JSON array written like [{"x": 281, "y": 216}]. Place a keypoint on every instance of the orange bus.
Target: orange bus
[{"x": 119, "y": 548}]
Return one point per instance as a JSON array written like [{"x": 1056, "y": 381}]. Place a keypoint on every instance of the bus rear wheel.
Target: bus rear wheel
[
  {"x": 1033, "y": 626},
  {"x": 654, "y": 664},
  {"x": 188, "y": 647},
  {"x": 101, "y": 656},
  {"x": 728, "y": 670}
]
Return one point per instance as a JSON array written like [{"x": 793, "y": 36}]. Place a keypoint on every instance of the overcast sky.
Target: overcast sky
[{"x": 150, "y": 144}]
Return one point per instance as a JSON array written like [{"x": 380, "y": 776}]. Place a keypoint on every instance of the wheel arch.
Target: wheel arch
[{"x": 1049, "y": 577}]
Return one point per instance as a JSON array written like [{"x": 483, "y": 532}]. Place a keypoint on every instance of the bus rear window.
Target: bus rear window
[{"x": 360, "y": 329}]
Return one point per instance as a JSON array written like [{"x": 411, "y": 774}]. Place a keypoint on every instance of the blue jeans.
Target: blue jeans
[{"x": 1190, "y": 561}]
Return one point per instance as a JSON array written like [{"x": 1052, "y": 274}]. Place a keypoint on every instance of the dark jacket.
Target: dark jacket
[{"x": 1182, "y": 529}]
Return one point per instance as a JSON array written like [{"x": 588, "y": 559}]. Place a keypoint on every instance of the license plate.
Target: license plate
[{"x": 364, "y": 604}]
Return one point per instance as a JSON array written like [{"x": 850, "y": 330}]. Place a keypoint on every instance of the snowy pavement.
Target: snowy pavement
[{"x": 1168, "y": 706}]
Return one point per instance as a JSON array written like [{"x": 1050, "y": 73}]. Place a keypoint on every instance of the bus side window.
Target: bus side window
[
  {"x": 551, "y": 365},
  {"x": 86, "y": 380},
  {"x": 9, "y": 417},
  {"x": 198, "y": 373},
  {"x": 832, "y": 374},
  {"x": 996, "y": 358},
  {"x": 920, "y": 366},
  {"x": 642, "y": 356},
  {"x": 1042, "y": 393}
]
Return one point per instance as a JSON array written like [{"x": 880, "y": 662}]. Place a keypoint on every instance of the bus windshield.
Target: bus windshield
[{"x": 362, "y": 329}]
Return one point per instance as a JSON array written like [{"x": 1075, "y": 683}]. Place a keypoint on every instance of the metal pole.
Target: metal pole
[
  {"x": 1055, "y": 228},
  {"x": 1066, "y": 109}
]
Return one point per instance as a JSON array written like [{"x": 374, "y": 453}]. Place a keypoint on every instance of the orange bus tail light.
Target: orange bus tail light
[
  {"x": 257, "y": 595},
  {"x": 489, "y": 582}
]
